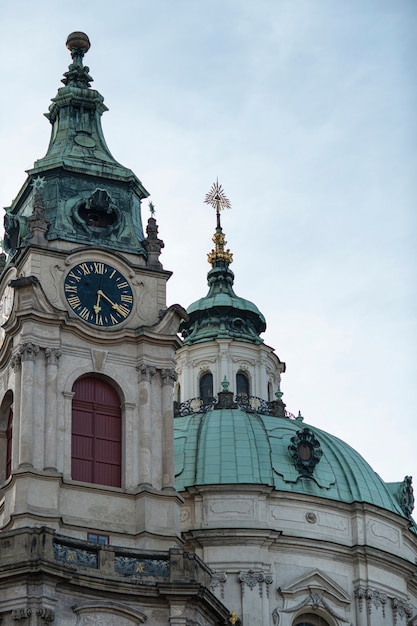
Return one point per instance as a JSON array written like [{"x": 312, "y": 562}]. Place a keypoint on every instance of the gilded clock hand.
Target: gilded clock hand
[
  {"x": 103, "y": 295},
  {"x": 97, "y": 307}
]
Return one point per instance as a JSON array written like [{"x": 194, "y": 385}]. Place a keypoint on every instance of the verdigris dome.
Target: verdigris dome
[{"x": 233, "y": 446}]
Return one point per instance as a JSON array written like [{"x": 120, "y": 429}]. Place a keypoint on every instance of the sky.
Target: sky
[{"x": 305, "y": 112}]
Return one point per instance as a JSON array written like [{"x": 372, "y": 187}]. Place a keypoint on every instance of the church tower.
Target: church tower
[{"x": 88, "y": 507}]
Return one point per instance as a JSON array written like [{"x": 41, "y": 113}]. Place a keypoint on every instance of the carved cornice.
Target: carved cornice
[{"x": 252, "y": 578}]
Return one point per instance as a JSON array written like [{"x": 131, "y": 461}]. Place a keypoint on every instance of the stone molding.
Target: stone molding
[{"x": 251, "y": 578}]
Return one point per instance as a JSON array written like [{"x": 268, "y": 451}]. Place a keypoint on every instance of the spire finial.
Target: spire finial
[
  {"x": 219, "y": 201},
  {"x": 78, "y": 44}
]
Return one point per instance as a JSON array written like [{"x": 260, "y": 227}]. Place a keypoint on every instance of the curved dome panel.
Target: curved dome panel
[{"x": 230, "y": 446}]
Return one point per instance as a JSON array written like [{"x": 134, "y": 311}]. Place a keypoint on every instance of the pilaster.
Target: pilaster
[
  {"x": 144, "y": 433},
  {"x": 28, "y": 352},
  {"x": 168, "y": 378},
  {"x": 52, "y": 356}
]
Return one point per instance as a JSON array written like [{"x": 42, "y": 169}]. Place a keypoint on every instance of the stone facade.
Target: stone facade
[{"x": 84, "y": 319}]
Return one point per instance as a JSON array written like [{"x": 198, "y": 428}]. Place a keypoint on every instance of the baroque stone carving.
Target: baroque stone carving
[
  {"x": 373, "y": 598},
  {"x": 169, "y": 376},
  {"x": 131, "y": 566},
  {"x": 28, "y": 351},
  {"x": 400, "y": 608},
  {"x": 305, "y": 451},
  {"x": 153, "y": 245},
  {"x": 37, "y": 222},
  {"x": 52, "y": 356},
  {"x": 18, "y": 614},
  {"x": 252, "y": 578},
  {"x": 47, "y": 615},
  {"x": 407, "y": 496},
  {"x": 146, "y": 372},
  {"x": 75, "y": 556},
  {"x": 218, "y": 579},
  {"x": 315, "y": 600},
  {"x": 15, "y": 362}
]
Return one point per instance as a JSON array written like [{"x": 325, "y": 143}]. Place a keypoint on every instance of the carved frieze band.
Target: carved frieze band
[
  {"x": 252, "y": 578},
  {"x": 218, "y": 579}
]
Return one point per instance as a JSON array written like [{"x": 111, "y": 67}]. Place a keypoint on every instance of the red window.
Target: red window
[
  {"x": 96, "y": 433},
  {"x": 9, "y": 433}
]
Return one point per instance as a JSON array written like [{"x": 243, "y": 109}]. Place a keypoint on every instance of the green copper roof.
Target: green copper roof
[
  {"x": 83, "y": 194},
  {"x": 230, "y": 446}
]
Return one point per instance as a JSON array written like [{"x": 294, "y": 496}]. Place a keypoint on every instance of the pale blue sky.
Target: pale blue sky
[{"x": 306, "y": 112}]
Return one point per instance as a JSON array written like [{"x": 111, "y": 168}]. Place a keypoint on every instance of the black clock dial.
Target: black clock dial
[{"x": 98, "y": 293}]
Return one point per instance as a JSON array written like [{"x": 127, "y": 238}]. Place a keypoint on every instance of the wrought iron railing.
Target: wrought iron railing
[{"x": 250, "y": 404}]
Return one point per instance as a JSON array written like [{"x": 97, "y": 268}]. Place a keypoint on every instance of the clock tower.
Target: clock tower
[{"x": 89, "y": 515}]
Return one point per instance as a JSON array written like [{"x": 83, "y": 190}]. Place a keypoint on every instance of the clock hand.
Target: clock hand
[
  {"x": 97, "y": 307},
  {"x": 103, "y": 295}
]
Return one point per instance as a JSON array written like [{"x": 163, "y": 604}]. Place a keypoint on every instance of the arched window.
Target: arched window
[
  {"x": 242, "y": 385},
  {"x": 270, "y": 392},
  {"x": 96, "y": 433},
  {"x": 206, "y": 387},
  {"x": 6, "y": 436},
  {"x": 9, "y": 439}
]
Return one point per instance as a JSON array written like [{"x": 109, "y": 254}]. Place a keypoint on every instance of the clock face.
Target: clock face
[{"x": 98, "y": 293}]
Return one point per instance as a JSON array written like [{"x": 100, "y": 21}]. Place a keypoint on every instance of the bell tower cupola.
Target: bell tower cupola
[
  {"x": 87, "y": 196},
  {"x": 222, "y": 344}
]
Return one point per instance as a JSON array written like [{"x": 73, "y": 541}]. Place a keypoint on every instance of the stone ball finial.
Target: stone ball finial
[{"x": 78, "y": 40}]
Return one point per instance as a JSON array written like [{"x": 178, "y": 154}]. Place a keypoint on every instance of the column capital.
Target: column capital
[
  {"x": 28, "y": 351},
  {"x": 52, "y": 356},
  {"x": 169, "y": 376},
  {"x": 146, "y": 372},
  {"x": 16, "y": 362}
]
